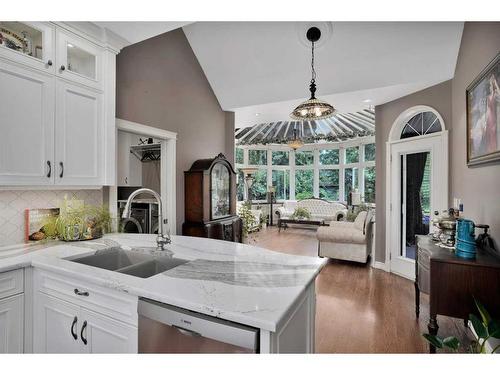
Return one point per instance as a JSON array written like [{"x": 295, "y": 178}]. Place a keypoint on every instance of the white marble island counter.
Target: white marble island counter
[{"x": 240, "y": 283}]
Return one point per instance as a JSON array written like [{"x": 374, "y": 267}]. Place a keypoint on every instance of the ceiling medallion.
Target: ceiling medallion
[{"x": 313, "y": 109}]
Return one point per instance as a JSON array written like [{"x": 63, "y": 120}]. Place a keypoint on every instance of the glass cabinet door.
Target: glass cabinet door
[
  {"x": 28, "y": 43},
  {"x": 220, "y": 191},
  {"x": 79, "y": 60}
]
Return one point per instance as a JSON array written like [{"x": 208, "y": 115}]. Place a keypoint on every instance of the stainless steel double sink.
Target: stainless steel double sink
[{"x": 130, "y": 262}]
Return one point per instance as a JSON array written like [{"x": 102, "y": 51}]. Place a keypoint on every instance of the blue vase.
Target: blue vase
[{"x": 466, "y": 239}]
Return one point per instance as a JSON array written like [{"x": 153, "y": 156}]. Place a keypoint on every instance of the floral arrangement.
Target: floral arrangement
[{"x": 301, "y": 213}]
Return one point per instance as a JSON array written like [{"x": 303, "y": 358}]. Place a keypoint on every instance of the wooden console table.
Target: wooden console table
[{"x": 452, "y": 282}]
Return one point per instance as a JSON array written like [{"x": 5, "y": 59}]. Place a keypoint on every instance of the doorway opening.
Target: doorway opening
[{"x": 417, "y": 182}]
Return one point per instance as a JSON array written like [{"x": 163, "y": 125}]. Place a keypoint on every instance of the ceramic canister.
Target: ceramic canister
[{"x": 465, "y": 239}]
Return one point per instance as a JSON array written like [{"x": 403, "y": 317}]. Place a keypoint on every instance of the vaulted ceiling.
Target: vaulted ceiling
[{"x": 264, "y": 67}]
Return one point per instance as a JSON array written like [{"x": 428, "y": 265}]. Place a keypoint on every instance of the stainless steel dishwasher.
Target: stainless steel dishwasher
[{"x": 168, "y": 329}]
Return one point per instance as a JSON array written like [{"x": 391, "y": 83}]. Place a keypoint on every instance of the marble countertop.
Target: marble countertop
[{"x": 237, "y": 282}]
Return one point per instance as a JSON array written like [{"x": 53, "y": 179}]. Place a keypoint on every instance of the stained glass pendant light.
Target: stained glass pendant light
[{"x": 312, "y": 109}]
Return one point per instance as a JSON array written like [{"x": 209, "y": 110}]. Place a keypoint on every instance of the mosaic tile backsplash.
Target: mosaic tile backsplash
[{"x": 14, "y": 202}]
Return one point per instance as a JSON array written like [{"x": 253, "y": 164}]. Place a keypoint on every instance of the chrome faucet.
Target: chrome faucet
[{"x": 161, "y": 240}]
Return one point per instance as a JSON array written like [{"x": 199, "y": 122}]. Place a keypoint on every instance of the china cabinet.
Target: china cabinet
[
  {"x": 210, "y": 200},
  {"x": 57, "y": 119}
]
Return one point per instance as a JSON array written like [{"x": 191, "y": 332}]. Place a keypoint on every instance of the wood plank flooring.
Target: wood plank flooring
[{"x": 361, "y": 309}]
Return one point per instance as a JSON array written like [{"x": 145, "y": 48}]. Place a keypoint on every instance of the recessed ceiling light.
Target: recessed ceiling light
[
  {"x": 257, "y": 114},
  {"x": 367, "y": 101},
  {"x": 70, "y": 45}
]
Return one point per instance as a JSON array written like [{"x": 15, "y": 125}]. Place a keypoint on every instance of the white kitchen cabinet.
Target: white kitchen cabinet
[
  {"x": 26, "y": 125},
  {"x": 100, "y": 334},
  {"x": 71, "y": 316},
  {"x": 78, "y": 135},
  {"x": 33, "y": 44},
  {"x": 11, "y": 324},
  {"x": 129, "y": 166},
  {"x": 55, "y": 326},
  {"x": 79, "y": 60},
  {"x": 57, "y": 113}
]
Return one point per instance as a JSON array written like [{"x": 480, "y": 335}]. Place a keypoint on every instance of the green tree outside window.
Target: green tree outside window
[{"x": 304, "y": 184}]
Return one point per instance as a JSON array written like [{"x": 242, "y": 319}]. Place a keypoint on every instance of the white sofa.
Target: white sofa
[
  {"x": 320, "y": 209},
  {"x": 344, "y": 240}
]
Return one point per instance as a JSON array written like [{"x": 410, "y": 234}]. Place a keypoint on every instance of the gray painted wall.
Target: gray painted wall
[
  {"x": 438, "y": 97},
  {"x": 160, "y": 83},
  {"x": 479, "y": 187}
]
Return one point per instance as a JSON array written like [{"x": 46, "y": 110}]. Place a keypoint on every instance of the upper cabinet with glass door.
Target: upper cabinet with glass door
[
  {"x": 29, "y": 43},
  {"x": 79, "y": 60}
]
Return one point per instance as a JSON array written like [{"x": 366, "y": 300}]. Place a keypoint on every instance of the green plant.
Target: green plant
[
  {"x": 352, "y": 214},
  {"x": 78, "y": 221},
  {"x": 485, "y": 328},
  {"x": 249, "y": 220},
  {"x": 301, "y": 213}
]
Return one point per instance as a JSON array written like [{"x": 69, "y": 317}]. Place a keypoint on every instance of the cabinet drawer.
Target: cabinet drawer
[
  {"x": 118, "y": 305},
  {"x": 11, "y": 282}
]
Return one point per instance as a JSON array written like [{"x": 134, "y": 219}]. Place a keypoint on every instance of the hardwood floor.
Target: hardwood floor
[{"x": 361, "y": 309}]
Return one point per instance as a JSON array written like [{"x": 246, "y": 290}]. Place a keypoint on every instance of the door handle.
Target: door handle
[
  {"x": 84, "y": 328},
  {"x": 73, "y": 333},
  {"x": 80, "y": 293},
  {"x": 61, "y": 164},
  {"x": 50, "y": 169}
]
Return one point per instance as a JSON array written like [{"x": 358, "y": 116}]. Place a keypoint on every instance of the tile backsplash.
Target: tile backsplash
[{"x": 14, "y": 202}]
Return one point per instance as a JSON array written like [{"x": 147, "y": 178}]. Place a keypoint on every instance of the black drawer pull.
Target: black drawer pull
[
  {"x": 50, "y": 168},
  {"x": 80, "y": 293},
  {"x": 73, "y": 333},
  {"x": 84, "y": 327}
]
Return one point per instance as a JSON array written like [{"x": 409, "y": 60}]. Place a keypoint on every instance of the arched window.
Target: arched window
[{"x": 421, "y": 124}]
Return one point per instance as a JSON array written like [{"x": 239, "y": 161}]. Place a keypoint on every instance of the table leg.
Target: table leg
[
  {"x": 417, "y": 300},
  {"x": 433, "y": 328},
  {"x": 279, "y": 225}
]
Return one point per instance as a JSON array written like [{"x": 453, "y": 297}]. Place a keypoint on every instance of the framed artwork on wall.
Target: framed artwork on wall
[{"x": 483, "y": 116}]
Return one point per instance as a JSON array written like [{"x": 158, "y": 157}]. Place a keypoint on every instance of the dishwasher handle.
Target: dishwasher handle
[{"x": 186, "y": 332}]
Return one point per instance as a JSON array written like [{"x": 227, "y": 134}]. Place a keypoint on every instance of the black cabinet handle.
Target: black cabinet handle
[
  {"x": 84, "y": 327},
  {"x": 63, "y": 68},
  {"x": 62, "y": 169},
  {"x": 73, "y": 333},
  {"x": 50, "y": 168},
  {"x": 79, "y": 293},
  {"x": 49, "y": 63}
]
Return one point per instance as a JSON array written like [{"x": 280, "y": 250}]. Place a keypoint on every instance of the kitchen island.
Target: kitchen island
[{"x": 244, "y": 284}]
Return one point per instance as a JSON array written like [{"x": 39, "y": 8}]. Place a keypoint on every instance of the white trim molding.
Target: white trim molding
[{"x": 168, "y": 142}]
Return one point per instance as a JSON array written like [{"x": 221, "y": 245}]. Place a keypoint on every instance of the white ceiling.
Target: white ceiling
[
  {"x": 135, "y": 32},
  {"x": 265, "y": 66}
]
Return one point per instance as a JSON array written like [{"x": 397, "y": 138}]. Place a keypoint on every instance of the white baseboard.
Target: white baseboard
[{"x": 380, "y": 265}]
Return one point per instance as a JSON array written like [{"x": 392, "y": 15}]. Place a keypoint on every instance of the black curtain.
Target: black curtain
[{"x": 415, "y": 167}]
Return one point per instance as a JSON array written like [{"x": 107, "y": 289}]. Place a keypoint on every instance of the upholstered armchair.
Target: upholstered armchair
[{"x": 347, "y": 240}]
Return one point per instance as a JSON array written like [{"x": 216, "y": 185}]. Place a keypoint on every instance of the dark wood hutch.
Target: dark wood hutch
[{"x": 210, "y": 200}]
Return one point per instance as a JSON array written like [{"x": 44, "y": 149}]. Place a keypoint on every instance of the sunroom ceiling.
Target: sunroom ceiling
[{"x": 338, "y": 128}]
